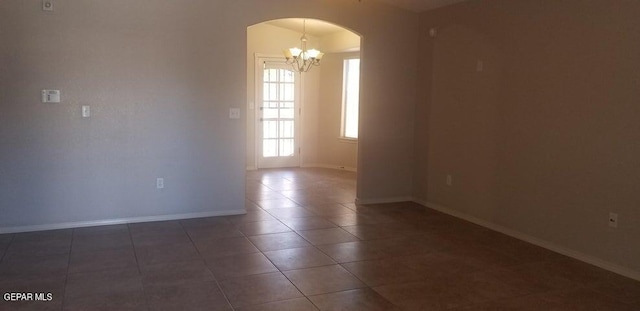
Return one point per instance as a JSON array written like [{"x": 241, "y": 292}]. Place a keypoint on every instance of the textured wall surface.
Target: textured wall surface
[
  {"x": 545, "y": 140},
  {"x": 160, "y": 77}
]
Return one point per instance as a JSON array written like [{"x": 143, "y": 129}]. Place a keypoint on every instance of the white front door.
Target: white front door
[{"x": 278, "y": 116}]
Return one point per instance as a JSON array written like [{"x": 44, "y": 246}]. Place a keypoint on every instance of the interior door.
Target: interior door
[{"x": 278, "y": 116}]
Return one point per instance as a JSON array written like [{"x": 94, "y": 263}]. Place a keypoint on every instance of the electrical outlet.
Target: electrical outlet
[
  {"x": 449, "y": 180},
  {"x": 613, "y": 220},
  {"x": 160, "y": 183}
]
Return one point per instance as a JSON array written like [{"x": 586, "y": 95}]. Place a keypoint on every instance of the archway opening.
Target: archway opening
[{"x": 316, "y": 126}]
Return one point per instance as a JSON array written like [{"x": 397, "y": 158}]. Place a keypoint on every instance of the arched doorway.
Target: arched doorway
[{"x": 313, "y": 126}]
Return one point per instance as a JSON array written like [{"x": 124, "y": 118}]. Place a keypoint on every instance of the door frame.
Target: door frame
[{"x": 259, "y": 58}]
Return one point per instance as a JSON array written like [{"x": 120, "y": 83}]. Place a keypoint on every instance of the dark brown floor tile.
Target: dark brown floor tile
[
  {"x": 156, "y": 237},
  {"x": 225, "y": 247},
  {"x": 101, "y": 242},
  {"x": 355, "y": 300},
  {"x": 621, "y": 288},
  {"x": 308, "y": 223},
  {"x": 297, "y": 258},
  {"x": 437, "y": 264},
  {"x": 359, "y": 219},
  {"x": 43, "y": 304},
  {"x": 383, "y": 271},
  {"x": 263, "y": 227},
  {"x": 322, "y": 280},
  {"x": 151, "y": 255},
  {"x": 329, "y": 210},
  {"x": 327, "y": 236},
  {"x": 218, "y": 231},
  {"x": 585, "y": 300},
  {"x": 250, "y": 216},
  {"x": 382, "y": 231},
  {"x": 91, "y": 284},
  {"x": 43, "y": 236},
  {"x": 28, "y": 265},
  {"x": 240, "y": 265},
  {"x": 262, "y": 194},
  {"x": 558, "y": 274},
  {"x": 156, "y": 227},
  {"x": 298, "y": 304},
  {"x": 99, "y": 230},
  {"x": 277, "y": 203},
  {"x": 525, "y": 303},
  {"x": 426, "y": 296},
  {"x": 291, "y": 212},
  {"x": 353, "y": 251},
  {"x": 204, "y": 222},
  {"x": 484, "y": 258},
  {"x": 38, "y": 248},
  {"x": 102, "y": 260},
  {"x": 175, "y": 273},
  {"x": 192, "y": 296},
  {"x": 375, "y": 249},
  {"x": 259, "y": 289},
  {"x": 515, "y": 248},
  {"x": 276, "y": 241},
  {"x": 121, "y": 301},
  {"x": 53, "y": 285}
]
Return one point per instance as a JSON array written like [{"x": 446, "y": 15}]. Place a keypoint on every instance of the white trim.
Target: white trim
[
  {"x": 598, "y": 262},
  {"x": 384, "y": 200},
  {"x": 335, "y": 167},
  {"x": 93, "y": 223}
]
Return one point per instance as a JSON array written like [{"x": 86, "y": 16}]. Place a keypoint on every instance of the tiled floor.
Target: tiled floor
[{"x": 303, "y": 245}]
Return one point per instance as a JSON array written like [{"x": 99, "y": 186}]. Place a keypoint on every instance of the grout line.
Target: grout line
[
  {"x": 201, "y": 257},
  {"x": 66, "y": 275},
  {"x": 6, "y": 249}
]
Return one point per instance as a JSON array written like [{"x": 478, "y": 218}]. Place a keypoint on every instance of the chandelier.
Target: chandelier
[{"x": 302, "y": 59}]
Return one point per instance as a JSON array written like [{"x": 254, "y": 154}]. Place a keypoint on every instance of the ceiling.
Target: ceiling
[
  {"x": 315, "y": 27},
  {"x": 320, "y": 28},
  {"x": 419, "y": 5}
]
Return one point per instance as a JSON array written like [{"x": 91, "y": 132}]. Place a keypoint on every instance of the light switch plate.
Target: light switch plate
[
  {"x": 50, "y": 96},
  {"x": 234, "y": 113},
  {"x": 86, "y": 111}
]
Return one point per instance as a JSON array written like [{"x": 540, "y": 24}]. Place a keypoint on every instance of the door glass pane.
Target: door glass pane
[
  {"x": 270, "y": 148},
  {"x": 270, "y": 129},
  {"x": 286, "y": 147},
  {"x": 286, "y": 113},
  {"x": 286, "y": 92},
  {"x": 269, "y": 113},
  {"x": 286, "y": 129}
]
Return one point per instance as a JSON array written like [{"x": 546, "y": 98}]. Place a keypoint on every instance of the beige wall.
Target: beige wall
[
  {"x": 333, "y": 151},
  {"x": 160, "y": 77},
  {"x": 544, "y": 141}
]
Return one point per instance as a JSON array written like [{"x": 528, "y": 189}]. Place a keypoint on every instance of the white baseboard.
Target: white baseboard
[
  {"x": 105, "y": 222},
  {"x": 337, "y": 167},
  {"x": 598, "y": 262},
  {"x": 384, "y": 200},
  {"x": 251, "y": 168}
]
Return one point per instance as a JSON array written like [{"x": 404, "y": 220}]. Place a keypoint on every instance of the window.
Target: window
[{"x": 350, "y": 98}]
